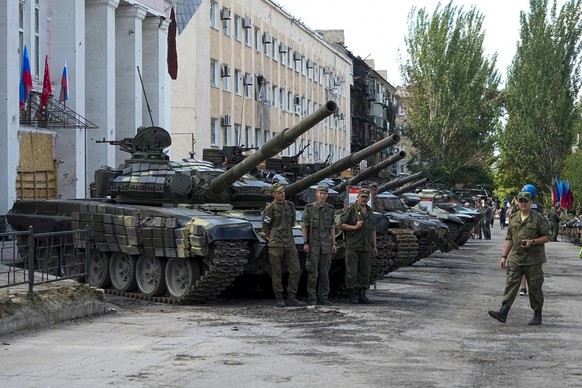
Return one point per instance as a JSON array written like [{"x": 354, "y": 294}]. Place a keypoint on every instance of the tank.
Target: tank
[{"x": 156, "y": 226}]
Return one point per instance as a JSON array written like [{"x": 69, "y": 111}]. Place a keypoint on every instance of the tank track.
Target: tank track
[
  {"x": 464, "y": 237},
  {"x": 425, "y": 246},
  {"x": 228, "y": 261},
  {"x": 396, "y": 248}
]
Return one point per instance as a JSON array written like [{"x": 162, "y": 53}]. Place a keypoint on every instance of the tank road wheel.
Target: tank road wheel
[
  {"x": 181, "y": 275},
  {"x": 99, "y": 269},
  {"x": 150, "y": 275},
  {"x": 122, "y": 272}
]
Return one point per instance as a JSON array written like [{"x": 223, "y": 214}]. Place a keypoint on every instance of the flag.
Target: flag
[
  {"x": 64, "y": 96},
  {"x": 25, "y": 79},
  {"x": 172, "y": 51},
  {"x": 47, "y": 89}
]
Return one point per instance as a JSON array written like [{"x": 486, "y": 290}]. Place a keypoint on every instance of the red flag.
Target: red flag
[
  {"x": 64, "y": 95},
  {"x": 47, "y": 89},
  {"x": 172, "y": 51}
]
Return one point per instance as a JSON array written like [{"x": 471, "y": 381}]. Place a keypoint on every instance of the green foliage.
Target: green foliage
[
  {"x": 573, "y": 164},
  {"x": 542, "y": 85},
  {"x": 454, "y": 104}
]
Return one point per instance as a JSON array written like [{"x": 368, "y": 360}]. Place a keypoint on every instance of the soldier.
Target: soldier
[
  {"x": 278, "y": 221},
  {"x": 523, "y": 255},
  {"x": 358, "y": 223},
  {"x": 318, "y": 227},
  {"x": 554, "y": 217}
]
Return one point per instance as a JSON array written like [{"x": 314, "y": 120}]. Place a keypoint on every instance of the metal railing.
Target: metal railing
[{"x": 40, "y": 258}]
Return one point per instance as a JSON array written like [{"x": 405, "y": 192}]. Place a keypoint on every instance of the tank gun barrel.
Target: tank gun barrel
[
  {"x": 271, "y": 148},
  {"x": 370, "y": 171},
  {"x": 341, "y": 165},
  {"x": 401, "y": 181},
  {"x": 410, "y": 186}
]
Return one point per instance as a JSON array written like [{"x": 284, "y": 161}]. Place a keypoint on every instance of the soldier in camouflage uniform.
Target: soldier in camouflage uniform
[
  {"x": 358, "y": 223},
  {"x": 318, "y": 227},
  {"x": 527, "y": 233},
  {"x": 278, "y": 221}
]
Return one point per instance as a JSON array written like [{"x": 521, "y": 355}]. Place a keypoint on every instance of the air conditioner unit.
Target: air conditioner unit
[
  {"x": 310, "y": 64},
  {"x": 297, "y": 56},
  {"x": 248, "y": 79},
  {"x": 226, "y": 71},
  {"x": 226, "y": 121},
  {"x": 225, "y": 14},
  {"x": 338, "y": 81},
  {"x": 297, "y": 100},
  {"x": 283, "y": 48},
  {"x": 267, "y": 38},
  {"x": 326, "y": 70},
  {"x": 248, "y": 22}
]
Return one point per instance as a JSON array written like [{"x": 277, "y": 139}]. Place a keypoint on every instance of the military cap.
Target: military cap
[
  {"x": 322, "y": 188},
  {"x": 524, "y": 194},
  {"x": 364, "y": 192},
  {"x": 277, "y": 187}
]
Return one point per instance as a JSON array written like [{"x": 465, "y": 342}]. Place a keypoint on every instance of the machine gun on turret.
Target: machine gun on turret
[{"x": 226, "y": 157}]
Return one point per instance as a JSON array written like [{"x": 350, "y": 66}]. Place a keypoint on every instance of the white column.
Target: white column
[
  {"x": 9, "y": 96},
  {"x": 155, "y": 69},
  {"x": 100, "y": 82},
  {"x": 128, "y": 56},
  {"x": 67, "y": 36}
]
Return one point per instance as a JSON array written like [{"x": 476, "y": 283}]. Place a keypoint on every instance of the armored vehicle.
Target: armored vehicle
[{"x": 157, "y": 231}]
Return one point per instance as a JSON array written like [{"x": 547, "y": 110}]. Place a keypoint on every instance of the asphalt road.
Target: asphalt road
[{"x": 429, "y": 327}]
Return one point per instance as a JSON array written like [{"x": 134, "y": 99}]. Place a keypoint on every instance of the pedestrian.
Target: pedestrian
[
  {"x": 318, "y": 228},
  {"x": 357, "y": 221},
  {"x": 523, "y": 255},
  {"x": 502, "y": 214},
  {"x": 554, "y": 217},
  {"x": 486, "y": 221},
  {"x": 278, "y": 221}
]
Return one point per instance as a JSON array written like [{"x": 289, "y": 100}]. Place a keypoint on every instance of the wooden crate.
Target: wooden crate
[{"x": 36, "y": 185}]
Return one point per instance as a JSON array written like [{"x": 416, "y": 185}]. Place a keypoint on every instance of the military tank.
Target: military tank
[{"x": 156, "y": 229}]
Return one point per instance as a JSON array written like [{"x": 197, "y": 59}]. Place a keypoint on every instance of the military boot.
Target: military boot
[
  {"x": 537, "y": 318},
  {"x": 353, "y": 295},
  {"x": 362, "y": 298},
  {"x": 293, "y": 301},
  {"x": 500, "y": 315},
  {"x": 279, "y": 299}
]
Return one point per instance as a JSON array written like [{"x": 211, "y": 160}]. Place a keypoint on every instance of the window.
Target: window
[
  {"x": 275, "y": 96},
  {"x": 258, "y": 40},
  {"x": 226, "y": 27},
  {"x": 283, "y": 58},
  {"x": 290, "y": 62},
  {"x": 249, "y": 136},
  {"x": 238, "y": 82},
  {"x": 214, "y": 72},
  {"x": 226, "y": 84},
  {"x": 290, "y": 98},
  {"x": 237, "y": 27},
  {"x": 214, "y": 14},
  {"x": 282, "y": 95},
  {"x": 237, "y": 139},
  {"x": 258, "y": 137},
  {"x": 226, "y": 140},
  {"x": 275, "y": 48},
  {"x": 248, "y": 82},
  {"x": 267, "y": 136},
  {"x": 214, "y": 124}
]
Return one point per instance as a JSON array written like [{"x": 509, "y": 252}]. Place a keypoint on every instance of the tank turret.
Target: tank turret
[
  {"x": 393, "y": 184},
  {"x": 340, "y": 165},
  {"x": 149, "y": 178},
  {"x": 370, "y": 171}
]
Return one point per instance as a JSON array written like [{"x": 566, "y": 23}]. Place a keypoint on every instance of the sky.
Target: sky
[{"x": 375, "y": 29}]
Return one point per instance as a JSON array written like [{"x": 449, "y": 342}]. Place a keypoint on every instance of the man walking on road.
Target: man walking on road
[
  {"x": 318, "y": 227},
  {"x": 523, "y": 255},
  {"x": 358, "y": 223},
  {"x": 278, "y": 221}
]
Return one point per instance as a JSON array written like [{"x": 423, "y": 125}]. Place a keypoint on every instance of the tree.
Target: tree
[
  {"x": 573, "y": 163},
  {"x": 542, "y": 85},
  {"x": 453, "y": 104}
]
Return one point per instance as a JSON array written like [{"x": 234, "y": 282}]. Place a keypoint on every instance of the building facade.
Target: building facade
[
  {"x": 248, "y": 70},
  {"x": 103, "y": 42}
]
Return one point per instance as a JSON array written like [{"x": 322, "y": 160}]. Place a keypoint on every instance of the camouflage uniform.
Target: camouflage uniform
[
  {"x": 320, "y": 222},
  {"x": 526, "y": 261},
  {"x": 278, "y": 222},
  {"x": 358, "y": 246}
]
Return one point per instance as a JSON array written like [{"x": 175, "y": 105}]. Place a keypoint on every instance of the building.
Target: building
[
  {"x": 248, "y": 70},
  {"x": 51, "y": 152}
]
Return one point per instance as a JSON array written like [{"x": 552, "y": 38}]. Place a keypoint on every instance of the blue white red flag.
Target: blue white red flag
[
  {"x": 25, "y": 79},
  {"x": 64, "y": 96}
]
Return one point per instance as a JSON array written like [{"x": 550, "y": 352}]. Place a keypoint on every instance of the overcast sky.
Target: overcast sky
[{"x": 376, "y": 28}]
